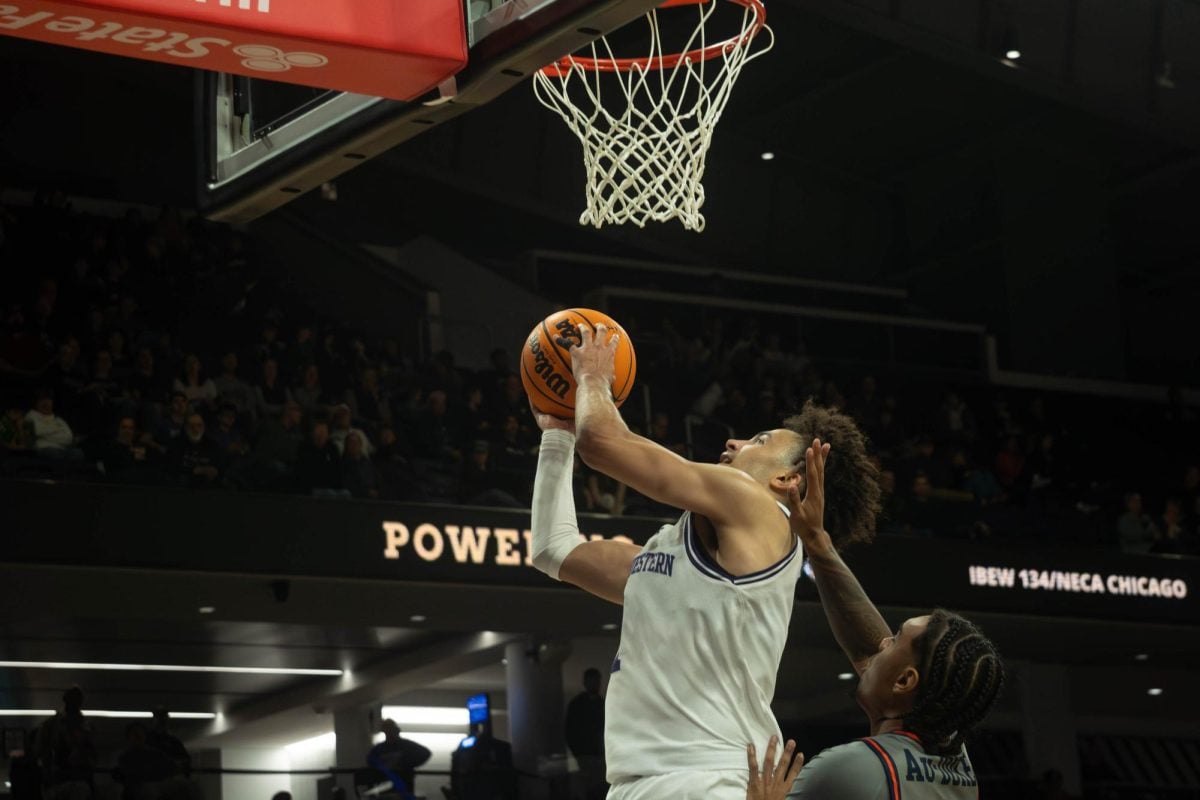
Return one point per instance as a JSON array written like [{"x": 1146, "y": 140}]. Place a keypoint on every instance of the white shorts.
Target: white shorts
[{"x": 713, "y": 785}]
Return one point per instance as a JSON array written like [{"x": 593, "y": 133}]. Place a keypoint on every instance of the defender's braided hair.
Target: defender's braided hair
[
  {"x": 961, "y": 677},
  {"x": 852, "y": 495}
]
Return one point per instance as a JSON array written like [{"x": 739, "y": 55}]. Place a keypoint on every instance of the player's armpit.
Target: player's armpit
[{"x": 601, "y": 568}]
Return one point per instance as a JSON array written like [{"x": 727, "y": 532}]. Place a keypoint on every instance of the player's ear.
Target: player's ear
[
  {"x": 785, "y": 481},
  {"x": 907, "y": 681}
]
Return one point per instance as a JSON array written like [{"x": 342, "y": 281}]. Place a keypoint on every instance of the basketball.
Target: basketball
[{"x": 546, "y": 361}]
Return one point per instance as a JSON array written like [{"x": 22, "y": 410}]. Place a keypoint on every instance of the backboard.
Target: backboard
[{"x": 265, "y": 142}]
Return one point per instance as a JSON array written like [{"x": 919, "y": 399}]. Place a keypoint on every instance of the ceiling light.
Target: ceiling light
[
  {"x": 609, "y": 626},
  {"x": 1142, "y": 657},
  {"x": 845, "y": 676},
  {"x": 418, "y": 618},
  {"x": 207, "y": 609},
  {"x": 96, "y": 712},
  {"x": 1154, "y": 692},
  {"x": 1012, "y": 55},
  {"x": 166, "y": 668},
  {"x": 427, "y": 715},
  {"x": 768, "y": 156}
]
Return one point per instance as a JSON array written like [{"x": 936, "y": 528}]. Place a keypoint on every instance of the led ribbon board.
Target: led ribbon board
[{"x": 398, "y": 50}]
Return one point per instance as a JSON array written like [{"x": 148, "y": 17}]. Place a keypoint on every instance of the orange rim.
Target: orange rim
[{"x": 564, "y": 65}]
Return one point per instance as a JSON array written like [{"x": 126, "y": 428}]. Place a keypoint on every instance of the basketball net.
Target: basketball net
[{"x": 644, "y": 153}]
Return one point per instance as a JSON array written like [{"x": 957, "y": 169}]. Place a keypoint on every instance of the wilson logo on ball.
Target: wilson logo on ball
[{"x": 544, "y": 369}]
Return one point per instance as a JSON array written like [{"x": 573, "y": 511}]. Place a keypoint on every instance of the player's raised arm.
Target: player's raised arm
[
  {"x": 600, "y": 567},
  {"x": 607, "y": 445},
  {"x": 857, "y": 624}
]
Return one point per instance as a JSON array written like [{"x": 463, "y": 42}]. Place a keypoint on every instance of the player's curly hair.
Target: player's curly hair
[
  {"x": 852, "y": 495},
  {"x": 961, "y": 677}
]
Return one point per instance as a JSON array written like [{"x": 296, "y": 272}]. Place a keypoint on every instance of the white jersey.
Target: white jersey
[{"x": 700, "y": 649}]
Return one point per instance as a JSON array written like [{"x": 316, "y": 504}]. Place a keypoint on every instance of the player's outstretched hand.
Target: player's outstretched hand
[
  {"x": 808, "y": 515},
  {"x": 775, "y": 780},
  {"x": 594, "y": 356},
  {"x": 550, "y": 423}
]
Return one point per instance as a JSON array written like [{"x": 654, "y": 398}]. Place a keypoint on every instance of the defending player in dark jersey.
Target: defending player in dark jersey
[{"x": 924, "y": 689}]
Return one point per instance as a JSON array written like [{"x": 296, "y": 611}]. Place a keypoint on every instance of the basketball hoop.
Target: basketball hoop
[{"x": 644, "y": 157}]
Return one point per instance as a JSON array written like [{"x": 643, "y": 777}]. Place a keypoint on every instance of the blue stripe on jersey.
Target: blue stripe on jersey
[{"x": 699, "y": 556}]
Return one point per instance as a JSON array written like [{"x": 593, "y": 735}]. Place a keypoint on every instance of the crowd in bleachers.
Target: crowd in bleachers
[{"x": 154, "y": 351}]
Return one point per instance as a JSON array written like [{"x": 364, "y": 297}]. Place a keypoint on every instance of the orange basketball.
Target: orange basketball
[{"x": 546, "y": 361}]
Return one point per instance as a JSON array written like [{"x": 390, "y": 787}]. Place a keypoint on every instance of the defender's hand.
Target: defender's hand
[
  {"x": 592, "y": 358},
  {"x": 776, "y": 780},
  {"x": 808, "y": 515}
]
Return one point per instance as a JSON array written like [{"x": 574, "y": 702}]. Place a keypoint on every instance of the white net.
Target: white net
[{"x": 644, "y": 154}]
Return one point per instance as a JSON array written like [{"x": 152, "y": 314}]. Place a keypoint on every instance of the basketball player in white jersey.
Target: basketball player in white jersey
[
  {"x": 708, "y": 600},
  {"x": 923, "y": 688}
]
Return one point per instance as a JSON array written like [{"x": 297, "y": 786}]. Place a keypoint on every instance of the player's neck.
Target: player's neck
[{"x": 886, "y": 724}]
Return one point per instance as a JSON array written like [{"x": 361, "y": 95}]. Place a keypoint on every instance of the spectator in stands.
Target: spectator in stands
[
  {"x": 66, "y": 377},
  {"x": 341, "y": 426},
  {"x": 927, "y": 461},
  {"x": 512, "y": 401},
  {"x": 269, "y": 345},
  {"x": 920, "y": 511},
  {"x": 123, "y": 457},
  {"x": 371, "y": 400},
  {"x": 604, "y": 495},
  {"x": 514, "y": 451},
  {"x": 1170, "y": 536},
  {"x": 103, "y": 397},
  {"x": 886, "y": 431},
  {"x": 359, "y": 477},
  {"x": 474, "y": 421},
  {"x": 478, "y": 483},
  {"x": 200, "y": 391},
  {"x": 665, "y": 433},
  {"x": 118, "y": 350},
  {"x": 436, "y": 434},
  {"x": 891, "y": 517},
  {"x": 16, "y": 433},
  {"x": 66, "y": 752},
  {"x": 193, "y": 458},
  {"x": 391, "y": 460},
  {"x": 309, "y": 393},
  {"x": 319, "y": 465},
  {"x": 1135, "y": 530},
  {"x": 1189, "y": 494},
  {"x": 226, "y": 435},
  {"x": 956, "y": 422},
  {"x": 232, "y": 390},
  {"x": 171, "y": 426},
  {"x": 1010, "y": 464},
  {"x": 278, "y": 445},
  {"x": 270, "y": 395},
  {"x": 52, "y": 435},
  {"x": 335, "y": 372},
  {"x": 493, "y": 380},
  {"x": 146, "y": 385}
]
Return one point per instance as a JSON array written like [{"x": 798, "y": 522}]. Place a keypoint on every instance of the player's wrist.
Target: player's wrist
[{"x": 559, "y": 437}]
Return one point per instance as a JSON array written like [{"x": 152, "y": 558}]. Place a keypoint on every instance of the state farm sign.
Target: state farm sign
[{"x": 382, "y": 48}]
